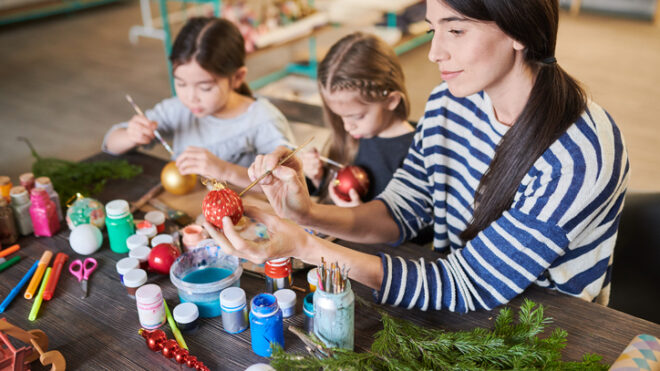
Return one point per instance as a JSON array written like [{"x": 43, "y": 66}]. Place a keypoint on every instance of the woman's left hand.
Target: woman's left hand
[
  {"x": 196, "y": 160},
  {"x": 352, "y": 193},
  {"x": 285, "y": 237}
]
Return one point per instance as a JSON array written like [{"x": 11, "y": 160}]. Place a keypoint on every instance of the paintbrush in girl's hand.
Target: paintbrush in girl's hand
[
  {"x": 156, "y": 133},
  {"x": 278, "y": 164},
  {"x": 322, "y": 158}
]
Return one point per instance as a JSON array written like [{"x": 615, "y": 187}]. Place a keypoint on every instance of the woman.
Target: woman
[{"x": 522, "y": 177}]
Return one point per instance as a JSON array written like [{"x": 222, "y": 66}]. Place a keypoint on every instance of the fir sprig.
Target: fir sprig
[
  {"x": 87, "y": 178},
  {"x": 402, "y": 345}
]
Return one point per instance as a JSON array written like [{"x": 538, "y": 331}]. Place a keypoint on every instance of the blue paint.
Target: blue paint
[
  {"x": 266, "y": 324},
  {"x": 207, "y": 275},
  {"x": 208, "y": 303}
]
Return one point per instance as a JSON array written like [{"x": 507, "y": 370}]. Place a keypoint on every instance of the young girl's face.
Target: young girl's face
[
  {"x": 203, "y": 93},
  {"x": 361, "y": 119},
  {"x": 471, "y": 55}
]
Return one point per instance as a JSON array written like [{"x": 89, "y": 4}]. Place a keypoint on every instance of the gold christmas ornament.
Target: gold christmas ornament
[{"x": 174, "y": 182}]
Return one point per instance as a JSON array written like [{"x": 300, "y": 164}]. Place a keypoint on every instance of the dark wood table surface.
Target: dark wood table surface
[{"x": 100, "y": 332}]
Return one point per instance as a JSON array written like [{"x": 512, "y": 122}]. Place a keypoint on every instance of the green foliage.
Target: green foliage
[
  {"x": 401, "y": 345},
  {"x": 87, "y": 178}
]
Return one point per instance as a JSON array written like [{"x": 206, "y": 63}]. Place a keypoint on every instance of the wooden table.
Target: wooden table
[{"x": 100, "y": 332}]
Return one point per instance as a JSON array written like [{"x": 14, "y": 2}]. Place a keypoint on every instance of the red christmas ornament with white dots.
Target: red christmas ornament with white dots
[{"x": 222, "y": 202}]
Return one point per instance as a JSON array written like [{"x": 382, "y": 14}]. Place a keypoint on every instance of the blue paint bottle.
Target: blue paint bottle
[{"x": 266, "y": 325}]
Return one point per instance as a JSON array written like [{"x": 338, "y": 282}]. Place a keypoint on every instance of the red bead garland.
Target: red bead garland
[{"x": 158, "y": 342}]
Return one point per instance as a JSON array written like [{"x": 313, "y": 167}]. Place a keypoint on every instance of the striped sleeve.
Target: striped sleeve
[{"x": 409, "y": 186}]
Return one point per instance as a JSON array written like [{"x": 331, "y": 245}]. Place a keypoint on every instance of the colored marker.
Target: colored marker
[
  {"x": 175, "y": 330},
  {"x": 10, "y": 250},
  {"x": 60, "y": 259},
  {"x": 43, "y": 264},
  {"x": 9, "y": 263},
  {"x": 19, "y": 286},
  {"x": 37, "y": 301}
]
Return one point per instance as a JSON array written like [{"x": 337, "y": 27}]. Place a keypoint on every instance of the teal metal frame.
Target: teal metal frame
[{"x": 308, "y": 69}]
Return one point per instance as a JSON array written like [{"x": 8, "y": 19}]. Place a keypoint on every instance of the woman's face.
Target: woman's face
[
  {"x": 361, "y": 119},
  {"x": 471, "y": 55},
  {"x": 203, "y": 93}
]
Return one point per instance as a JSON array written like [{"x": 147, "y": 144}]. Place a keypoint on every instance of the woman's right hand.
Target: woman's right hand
[
  {"x": 312, "y": 166},
  {"x": 285, "y": 187},
  {"x": 140, "y": 130}
]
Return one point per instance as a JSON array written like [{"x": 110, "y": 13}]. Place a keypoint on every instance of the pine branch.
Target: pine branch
[{"x": 401, "y": 345}]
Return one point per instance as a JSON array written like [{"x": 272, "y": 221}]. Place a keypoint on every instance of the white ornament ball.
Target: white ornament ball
[{"x": 85, "y": 239}]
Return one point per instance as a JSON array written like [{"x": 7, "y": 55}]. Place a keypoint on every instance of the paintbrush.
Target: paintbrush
[
  {"x": 156, "y": 133},
  {"x": 322, "y": 158},
  {"x": 278, "y": 164}
]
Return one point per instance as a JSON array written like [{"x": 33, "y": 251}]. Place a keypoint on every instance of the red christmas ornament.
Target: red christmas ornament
[
  {"x": 162, "y": 256},
  {"x": 181, "y": 355},
  {"x": 222, "y": 202},
  {"x": 154, "y": 338},
  {"x": 169, "y": 348},
  {"x": 351, "y": 177}
]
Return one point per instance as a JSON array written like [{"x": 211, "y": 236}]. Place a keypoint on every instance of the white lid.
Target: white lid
[
  {"x": 155, "y": 217},
  {"x": 126, "y": 264},
  {"x": 140, "y": 253},
  {"x": 286, "y": 298},
  {"x": 232, "y": 297},
  {"x": 148, "y": 232},
  {"x": 135, "y": 278},
  {"x": 136, "y": 240},
  {"x": 162, "y": 238},
  {"x": 185, "y": 312},
  {"x": 312, "y": 277},
  {"x": 116, "y": 208},
  {"x": 148, "y": 293}
]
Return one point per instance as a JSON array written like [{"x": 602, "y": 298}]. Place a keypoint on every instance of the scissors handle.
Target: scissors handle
[
  {"x": 76, "y": 269},
  {"x": 88, "y": 267}
]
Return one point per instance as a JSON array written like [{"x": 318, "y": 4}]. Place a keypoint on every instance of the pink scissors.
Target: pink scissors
[{"x": 82, "y": 271}]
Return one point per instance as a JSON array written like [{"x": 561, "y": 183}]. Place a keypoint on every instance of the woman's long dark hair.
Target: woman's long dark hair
[
  {"x": 216, "y": 45},
  {"x": 555, "y": 102}
]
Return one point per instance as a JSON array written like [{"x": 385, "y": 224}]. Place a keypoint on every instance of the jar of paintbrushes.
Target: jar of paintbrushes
[{"x": 334, "y": 307}]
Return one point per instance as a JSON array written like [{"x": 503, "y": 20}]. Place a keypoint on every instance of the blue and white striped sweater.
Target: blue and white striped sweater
[{"x": 559, "y": 232}]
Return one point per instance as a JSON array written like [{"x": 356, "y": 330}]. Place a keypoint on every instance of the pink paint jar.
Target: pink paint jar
[
  {"x": 156, "y": 218},
  {"x": 151, "y": 310},
  {"x": 192, "y": 235},
  {"x": 43, "y": 213}
]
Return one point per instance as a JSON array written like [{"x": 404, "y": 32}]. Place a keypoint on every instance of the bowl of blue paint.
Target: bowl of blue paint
[{"x": 200, "y": 276}]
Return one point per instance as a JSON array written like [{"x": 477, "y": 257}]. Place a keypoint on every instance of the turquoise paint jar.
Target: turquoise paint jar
[
  {"x": 266, "y": 324},
  {"x": 334, "y": 317},
  {"x": 119, "y": 222}
]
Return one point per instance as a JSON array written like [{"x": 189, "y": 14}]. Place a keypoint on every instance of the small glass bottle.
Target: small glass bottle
[
  {"x": 266, "y": 324},
  {"x": 133, "y": 280},
  {"x": 286, "y": 299},
  {"x": 8, "y": 233},
  {"x": 186, "y": 316},
  {"x": 5, "y": 186},
  {"x": 192, "y": 235},
  {"x": 43, "y": 214},
  {"x": 151, "y": 309},
  {"x": 27, "y": 181},
  {"x": 45, "y": 183},
  {"x": 334, "y": 316},
  {"x": 234, "y": 310},
  {"x": 119, "y": 221},
  {"x": 20, "y": 203},
  {"x": 278, "y": 274}
]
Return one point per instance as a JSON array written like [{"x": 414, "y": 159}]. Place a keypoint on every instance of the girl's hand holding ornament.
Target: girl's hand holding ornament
[
  {"x": 196, "y": 160},
  {"x": 339, "y": 201}
]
